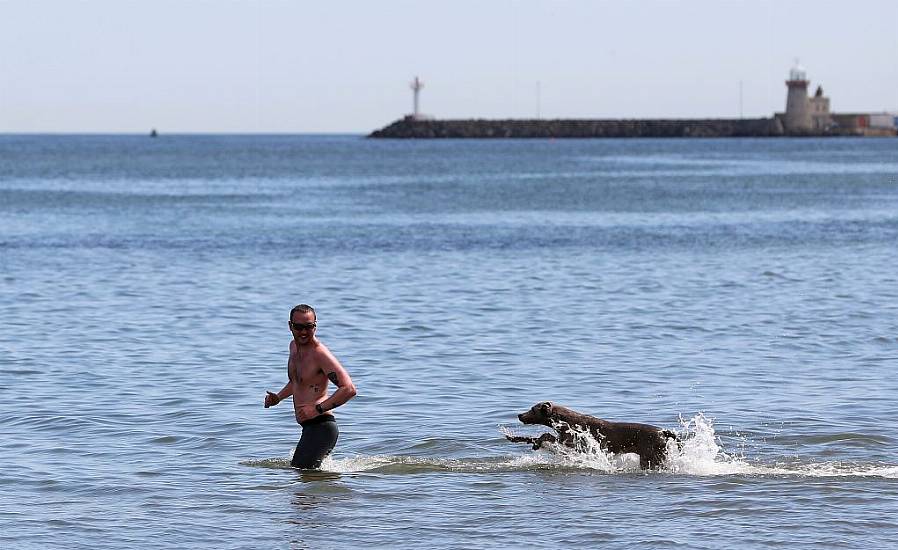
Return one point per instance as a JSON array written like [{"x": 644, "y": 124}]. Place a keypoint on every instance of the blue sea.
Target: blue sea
[{"x": 743, "y": 293}]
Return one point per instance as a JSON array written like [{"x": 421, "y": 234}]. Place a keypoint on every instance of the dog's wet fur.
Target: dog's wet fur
[{"x": 649, "y": 442}]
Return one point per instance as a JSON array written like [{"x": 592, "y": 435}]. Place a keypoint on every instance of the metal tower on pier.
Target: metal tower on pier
[{"x": 416, "y": 86}]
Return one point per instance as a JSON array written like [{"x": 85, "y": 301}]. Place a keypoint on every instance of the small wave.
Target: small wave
[
  {"x": 273, "y": 463},
  {"x": 775, "y": 275},
  {"x": 398, "y": 464},
  {"x": 579, "y": 462},
  {"x": 849, "y": 438},
  {"x": 842, "y": 469}
]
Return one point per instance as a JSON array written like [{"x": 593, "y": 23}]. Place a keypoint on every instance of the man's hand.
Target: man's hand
[
  {"x": 271, "y": 399},
  {"x": 306, "y": 412}
]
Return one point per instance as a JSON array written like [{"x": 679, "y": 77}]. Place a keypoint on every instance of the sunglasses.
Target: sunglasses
[{"x": 302, "y": 326}]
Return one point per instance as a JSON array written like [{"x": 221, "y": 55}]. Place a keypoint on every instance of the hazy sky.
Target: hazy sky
[{"x": 345, "y": 66}]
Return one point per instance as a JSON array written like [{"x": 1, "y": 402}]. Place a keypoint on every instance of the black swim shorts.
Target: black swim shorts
[{"x": 319, "y": 435}]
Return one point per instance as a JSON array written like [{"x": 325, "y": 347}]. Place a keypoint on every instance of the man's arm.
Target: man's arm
[
  {"x": 272, "y": 399},
  {"x": 340, "y": 378}
]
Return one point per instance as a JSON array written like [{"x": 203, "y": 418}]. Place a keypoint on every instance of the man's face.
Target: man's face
[{"x": 302, "y": 325}]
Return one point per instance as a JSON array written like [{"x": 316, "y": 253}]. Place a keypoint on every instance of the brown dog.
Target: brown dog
[{"x": 649, "y": 442}]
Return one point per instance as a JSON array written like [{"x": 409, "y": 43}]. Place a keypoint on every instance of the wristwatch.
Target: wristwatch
[{"x": 318, "y": 408}]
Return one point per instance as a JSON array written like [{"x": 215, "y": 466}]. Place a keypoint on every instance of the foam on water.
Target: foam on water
[
  {"x": 699, "y": 453},
  {"x": 602, "y": 463}
]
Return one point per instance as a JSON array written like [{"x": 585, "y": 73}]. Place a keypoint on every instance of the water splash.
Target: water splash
[
  {"x": 698, "y": 451},
  {"x": 587, "y": 454},
  {"x": 700, "y": 454}
]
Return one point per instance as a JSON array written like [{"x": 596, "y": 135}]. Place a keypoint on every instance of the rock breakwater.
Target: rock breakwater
[{"x": 411, "y": 128}]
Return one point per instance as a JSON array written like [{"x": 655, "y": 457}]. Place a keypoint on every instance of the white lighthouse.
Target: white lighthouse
[{"x": 798, "y": 109}]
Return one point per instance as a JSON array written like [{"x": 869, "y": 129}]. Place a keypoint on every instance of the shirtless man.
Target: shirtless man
[{"x": 309, "y": 368}]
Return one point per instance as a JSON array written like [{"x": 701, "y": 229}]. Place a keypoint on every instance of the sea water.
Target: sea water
[{"x": 743, "y": 293}]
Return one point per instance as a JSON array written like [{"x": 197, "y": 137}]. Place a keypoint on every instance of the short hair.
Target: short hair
[{"x": 303, "y": 308}]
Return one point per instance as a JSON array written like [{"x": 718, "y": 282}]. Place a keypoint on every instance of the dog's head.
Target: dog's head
[{"x": 541, "y": 413}]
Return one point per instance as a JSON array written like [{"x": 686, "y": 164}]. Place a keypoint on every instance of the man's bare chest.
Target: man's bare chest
[{"x": 306, "y": 370}]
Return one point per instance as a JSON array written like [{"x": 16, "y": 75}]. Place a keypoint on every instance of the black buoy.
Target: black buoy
[{"x": 154, "y": 133}]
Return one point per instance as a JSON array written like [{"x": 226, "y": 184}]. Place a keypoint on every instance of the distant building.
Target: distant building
[
  {"x": 819, "y": 109},
  {"x": 812, "y": 116}
]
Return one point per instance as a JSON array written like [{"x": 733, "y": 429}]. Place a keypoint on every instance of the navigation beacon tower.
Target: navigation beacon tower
[
  {"x": 798, "y": 112},
  {"x": 416, "y": 86}
]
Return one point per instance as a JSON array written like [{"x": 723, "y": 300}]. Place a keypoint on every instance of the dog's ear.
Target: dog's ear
[{"x": 545, "y": 407}]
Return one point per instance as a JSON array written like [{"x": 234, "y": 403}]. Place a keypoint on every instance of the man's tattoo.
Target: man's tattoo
[{"x": 332, "y": 376}]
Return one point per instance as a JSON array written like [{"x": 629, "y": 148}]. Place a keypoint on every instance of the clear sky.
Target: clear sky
[{"x": 345, "y": 66}]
